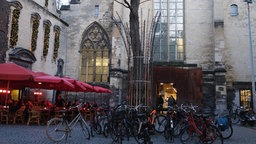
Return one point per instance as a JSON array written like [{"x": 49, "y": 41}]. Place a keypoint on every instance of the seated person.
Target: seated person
[{"x": 60, "y": 102}]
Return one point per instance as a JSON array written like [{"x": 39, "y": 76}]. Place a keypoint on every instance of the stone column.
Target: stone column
[{"x": 220, "y": 90}]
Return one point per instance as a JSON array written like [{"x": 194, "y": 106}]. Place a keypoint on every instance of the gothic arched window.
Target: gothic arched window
[
  {"x": 35, "y": 18},
  {"x": 16, "y": 8},
  {"x": 95, "y": 54}
]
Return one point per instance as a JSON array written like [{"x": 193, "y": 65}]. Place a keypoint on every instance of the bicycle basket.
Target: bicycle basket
[
  {"x": 118, "y": 115},
  {"x": 222, "y": 123}
]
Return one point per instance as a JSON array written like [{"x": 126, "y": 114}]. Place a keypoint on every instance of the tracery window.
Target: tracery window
[
  {"x": 95, "y": 54},
  {"x": 168, "y": 43},
  {"x": 56, "y": 42},
  {"x": 15, "y": 23},
  {"x": 47, "y": 29},
  {"x": 35, "y": 18}
]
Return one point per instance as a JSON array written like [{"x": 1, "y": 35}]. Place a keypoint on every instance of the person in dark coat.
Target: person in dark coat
[
  {"x": 171, "y": 101},
  {"x": 160, "y": 103},
  {"x": 60, "y": 102}
]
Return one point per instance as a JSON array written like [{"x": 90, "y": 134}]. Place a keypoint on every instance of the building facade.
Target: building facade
[{"x": 199, "y": 51}]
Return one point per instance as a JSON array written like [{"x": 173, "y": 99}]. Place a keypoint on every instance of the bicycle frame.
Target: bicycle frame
[
  {"x": 152, "y": 116},
  {"x": 73, "y": 123},
  {"x": 193, "y": 128},
  {"x": 192, "y": 124},
  {"x": 79, "y": 116}
]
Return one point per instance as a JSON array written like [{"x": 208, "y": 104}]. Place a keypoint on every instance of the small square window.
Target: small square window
[{"x": 96, "y": 11}]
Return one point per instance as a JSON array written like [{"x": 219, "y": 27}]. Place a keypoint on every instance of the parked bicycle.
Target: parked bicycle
[
  {"x": 243, "y": 115},
  {"x": 200, "y": 129},
  {"x": 59, "y": 128},
  {"x": 169, "y": 127},
  {"x": 225, "y": 126}
]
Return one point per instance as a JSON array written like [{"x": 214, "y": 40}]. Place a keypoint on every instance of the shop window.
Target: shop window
[{"x": 245, "y": 98}]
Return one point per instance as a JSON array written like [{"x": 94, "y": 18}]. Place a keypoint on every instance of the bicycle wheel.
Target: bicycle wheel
[
  {"x": 138, "y": 135},
  {"x": 189, "y": 136},
  {"x": 56, "y": 129},
  {"x": 234, "y": 118},
  {"x": 107, "y": 130},
  {"x": 117, "y": 135},
  {"x": 92, "y": 131},
  {"x": 177, "y": 128},
  {"x": 212, "y": 135},
  {"x": 160, "y": 123},
  {"x": 227, "y": 132},
  {"x": 168, "y": 134},
  {"x": 97, "y": 128},
  {"x": 85, "y": 129}
]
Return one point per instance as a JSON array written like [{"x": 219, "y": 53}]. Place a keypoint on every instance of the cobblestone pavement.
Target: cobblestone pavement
[{"x": 22, "y": 134}]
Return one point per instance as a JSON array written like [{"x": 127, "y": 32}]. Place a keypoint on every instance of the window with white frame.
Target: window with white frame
[{"x": 168, "y": 43}]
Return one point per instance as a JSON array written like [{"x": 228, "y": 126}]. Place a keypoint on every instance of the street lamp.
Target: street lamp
[{"x": 251, "y": 52}]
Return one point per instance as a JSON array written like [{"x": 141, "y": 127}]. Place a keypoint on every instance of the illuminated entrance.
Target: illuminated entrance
[
  {"x": 185, "y": 83},
  {"x": 165, "y": 90},
  {"x": 245, "y": 98}
]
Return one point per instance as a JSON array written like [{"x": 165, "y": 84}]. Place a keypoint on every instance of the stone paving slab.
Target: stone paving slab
[{"x": 23, "y": 134}]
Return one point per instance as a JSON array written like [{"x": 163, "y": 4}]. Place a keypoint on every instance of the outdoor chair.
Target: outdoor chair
[
  {"x": 19, "y": 117},
  {"x": 4, "y": 116},
  {"x": 34, "y": 116}
]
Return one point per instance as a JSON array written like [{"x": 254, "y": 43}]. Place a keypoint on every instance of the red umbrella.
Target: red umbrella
[
  {"x": 11, "y": 71},
  {"x": 46, "y": 81},
  {"x": 78, "y": 85},
  {"x": 43, "y": 81},
  {"x": 89, "y": 87},
  {"x": 99, "y": 89}
]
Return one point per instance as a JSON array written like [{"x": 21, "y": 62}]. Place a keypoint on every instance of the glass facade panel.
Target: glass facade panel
[
  {"x": 172, "y": 6},
  {"x": 89, "y": 78},
  {"x": 104, "y": 77},
  {"x": 157, "y": 6},
  {"x": 164, "y": 6},
  {"x": 90, "y": 70},
  {"x": 97, "y": 78},
  {"x": 164, "y": 13},
  {"x": 179, "y": 5},
  {"x": 179, "y": 13},
  {"x": 168, "y": 43}
]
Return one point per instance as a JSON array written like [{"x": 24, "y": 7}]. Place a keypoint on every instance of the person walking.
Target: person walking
[
  {"x": 160, "y": 103},
  {"x": 171, "y": 101}
]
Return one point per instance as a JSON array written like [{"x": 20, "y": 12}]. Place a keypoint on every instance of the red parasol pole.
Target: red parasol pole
[{"x": 6, "y": 96}]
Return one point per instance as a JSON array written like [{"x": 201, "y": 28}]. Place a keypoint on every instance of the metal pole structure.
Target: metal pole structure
[{"x": 251, "y": 53}]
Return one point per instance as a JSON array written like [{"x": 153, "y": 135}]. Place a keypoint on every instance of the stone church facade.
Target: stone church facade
[{"x": 200, "y": 48}]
